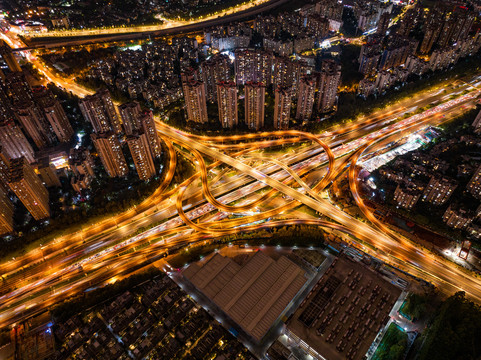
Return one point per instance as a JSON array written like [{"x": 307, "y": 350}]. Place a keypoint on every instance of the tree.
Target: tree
[{"x": 455, "y": 331}]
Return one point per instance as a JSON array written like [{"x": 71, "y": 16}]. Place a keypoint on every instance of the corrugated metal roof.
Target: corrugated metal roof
[{"x": 253, "y": 295}]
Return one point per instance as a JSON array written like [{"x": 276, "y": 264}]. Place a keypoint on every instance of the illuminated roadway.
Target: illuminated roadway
[
  {"x": 103, "y": 258},
  {"x": 168, "y": 27}
]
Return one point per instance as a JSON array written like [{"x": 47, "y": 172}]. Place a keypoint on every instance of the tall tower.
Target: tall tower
[
  {"x": 8, "y": 58},
  {"x": 215, "y": 70},
  {"x": 100, "y": 110},
  {"x": 255, "y": 94},
  {"x": 227, "y": 101},
  {"x": 328, "y": 86},
  {"x": 14, "y": 142},
  {"x": 148, "y": 127},
  {"x": 305, "y": 98},
  {"x": 194, "y": 94},
  {"x": 140, "y": 150},
  {"x": 282, "y": 108},
  {"x": 110, "y": 152},
  {"x": 55, "y": 114},
  {"x": 35, "y": 124},
  {"x": 29, "y": 189},
  {"x": 130, "y": 114}
]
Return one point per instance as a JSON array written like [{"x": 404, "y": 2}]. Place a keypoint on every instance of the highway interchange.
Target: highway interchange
[{"x": 262, "y": 188}]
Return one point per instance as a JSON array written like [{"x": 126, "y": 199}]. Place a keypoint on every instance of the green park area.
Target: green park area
[
  {"x": 414, "y": 307},
  {"x": 393, "y": 345}
]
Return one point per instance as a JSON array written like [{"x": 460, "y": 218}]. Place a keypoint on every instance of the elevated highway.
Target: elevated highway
[{"x": 82, "y": 37}]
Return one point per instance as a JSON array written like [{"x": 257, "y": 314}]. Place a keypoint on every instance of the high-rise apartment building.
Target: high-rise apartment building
[
  {"x": 110, "y": 152},
  {"x": 102, "y": 113},
  {"x": 28, "y": 188},
  {"x": 8, "y": 59},
  {"x": 188, "y": 75},
  {"x": 130, "y": 114},
  {"x": 317, "y": 25},
  {"x": 48, "y": 173},
  {"x": 431, "y": 33},
  {"x": 18, "y": 89},
  {"x": 305, "y": 98},
  {"x": 383, "y": 23},
  {"x": 195, "y": 101},
  {"x": 405, "y": 25},
  {"x": 227, "y": 101},
  {"x": 14, "y": 142},
  {"x": 446, "y": 24},
  {"x": 5, "y": 107},
  {"x": 35, "y": 124},
  {"x": 287, "y": 73},
  {"x": 432, "y": 28},
  {"x": 140, "y": 150},
  {"x": 283, "y": 74},
  {"x": 255, "y": 94},
  {"x": 253, "y": 66},
  {"x": 6, "y": 213},
  {"x": 54, "y": 113},
  {"x": 148, "y": 127},
  {"x": 456, "y": 27},
  {"x": 4, "y": 171},
  {"x": 282, "y": 108},
  {"x": 328, "y": 85},
  {"x": 446, "y": 32},
  {"x": 395, "y": 53},
  {"x": 370, "y": 55},
  {"x": 215, "y": 70}
]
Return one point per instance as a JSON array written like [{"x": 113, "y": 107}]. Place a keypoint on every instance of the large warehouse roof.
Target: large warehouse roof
[{"x": 253, "y": 295}]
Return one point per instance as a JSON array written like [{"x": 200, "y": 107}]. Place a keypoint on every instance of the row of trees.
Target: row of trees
[{"x": 299, "y": 235}]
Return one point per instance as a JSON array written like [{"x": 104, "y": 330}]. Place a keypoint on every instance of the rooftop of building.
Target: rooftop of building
[
  {"x": 16, "y": 169},
  {"x": 254, "y": 294},
  {"x": 343, "y": 313}
]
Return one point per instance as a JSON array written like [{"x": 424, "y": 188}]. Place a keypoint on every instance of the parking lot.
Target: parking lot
[{"x": 341, "y": 316}]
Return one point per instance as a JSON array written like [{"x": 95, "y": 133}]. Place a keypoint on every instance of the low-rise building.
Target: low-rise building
[
  {"x": 457, "y": 218},
  {"x": 439, "y": 190},
  {"x": 474, "y": 185},
  {"x": 406, "y": 196}
]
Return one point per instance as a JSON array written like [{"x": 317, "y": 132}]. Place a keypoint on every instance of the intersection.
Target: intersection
[{"x": 186, "y": 214}]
